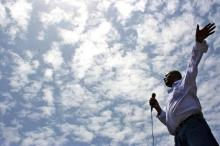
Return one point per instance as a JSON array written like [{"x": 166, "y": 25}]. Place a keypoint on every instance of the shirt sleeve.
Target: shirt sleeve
[
  {"x": 192, "y": 68},
  {"x": 162, "y": 117}
]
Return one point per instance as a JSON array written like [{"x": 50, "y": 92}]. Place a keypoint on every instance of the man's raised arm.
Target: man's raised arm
[{"x": 197, "y": 52}]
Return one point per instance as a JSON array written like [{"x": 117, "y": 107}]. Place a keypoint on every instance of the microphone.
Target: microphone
[
  {"x": 152, "y": 123},
  {"x": 153, "y": 96}
]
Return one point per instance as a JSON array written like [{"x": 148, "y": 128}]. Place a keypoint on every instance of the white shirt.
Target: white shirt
[{"x": 182, "y": 100}]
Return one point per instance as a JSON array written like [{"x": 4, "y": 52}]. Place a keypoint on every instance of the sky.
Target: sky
[{"x": 81, "y": 72}]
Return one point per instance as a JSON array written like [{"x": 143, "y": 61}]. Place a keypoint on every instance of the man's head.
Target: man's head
[{"x": 171, "y": 77}]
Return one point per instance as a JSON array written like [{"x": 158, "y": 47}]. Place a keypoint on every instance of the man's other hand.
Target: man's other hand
[{"x": 154, "y": 103}]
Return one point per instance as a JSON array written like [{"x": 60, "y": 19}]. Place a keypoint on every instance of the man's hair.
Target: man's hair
[{"x": 177, "y": 74}]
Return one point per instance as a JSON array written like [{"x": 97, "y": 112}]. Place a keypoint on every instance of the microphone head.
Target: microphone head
[{"x": 153, "y": 95}]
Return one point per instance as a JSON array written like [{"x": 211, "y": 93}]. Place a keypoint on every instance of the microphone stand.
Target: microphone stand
[{"x": 152, "y": 127}]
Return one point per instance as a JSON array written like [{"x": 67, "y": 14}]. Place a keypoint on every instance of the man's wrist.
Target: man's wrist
[
  {"x": 199, "y": 40},
  {"x": 158, "y": 111}
]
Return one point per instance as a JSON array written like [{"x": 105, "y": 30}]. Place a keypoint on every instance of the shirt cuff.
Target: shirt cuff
[
  {"x": 203, "y": 47},
  {"x": 161, "y": 115}
]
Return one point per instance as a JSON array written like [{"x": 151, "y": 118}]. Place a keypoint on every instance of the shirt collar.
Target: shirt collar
[{"x": 173, "y": 85}]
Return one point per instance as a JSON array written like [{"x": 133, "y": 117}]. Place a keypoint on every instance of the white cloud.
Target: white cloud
[
  {"x": 73, "y": 95},
  {"x": 84, "y": 58},
  {"x": 93, "y": 44},
  {"x": 44, "y": 137},
  {"x": 154, "y": 5},
  {"x": 96, "y": 122},
  {"x": 80, "y": 133},
  {"x": 69, "y": 36},
  {"x": 20, "y": 13},
  {"x": 75, "y": 14},
  {"x": 41, "y": 35},
  {"x": 178, "y": 27},
  {"x": 125, "y": 76},
  {"x": 124, "y": 8},
  {"x": 48, "y": 74},
  {"x": 47, "y": 111},
  {"x": 203, "y": 6},
  {"x": 7, "y": 104},
  {"x": 35, "y": 64},
  {"x": 138, "y": 139},
  {"x": 36, "y": 116},
  {"x": 187, "y": 6},
  {"x": 31, "y": 89},
  {"x": 10, "y": 135},
  {"x": 148, "y": 31},
  {"x": 110, "y": 130},
  {"x": 103, "y": 6},
  {"x": 24, "y": 67},
  {"x": 48, "y": 96},
  {"x": 54, "y": 57},
  {"x": 131, "y": 113},
  {"x": 215, "y": 18},
  {"x": 46, "y": 1},
  {"x": 55, "y": 16},
  {"x": 12, "y": 32},
  {"x": 93, "y": 75},
  {"x": 166, "y": 140},
  {"x": 3, "y": 16},
  {"x": 171, "y": 6},
  {"x": 140, "y": 5},
  {"x": 21, "y": 70},
  {"x": 99, "y": 34},
  {"x": 1, "y": 75}
]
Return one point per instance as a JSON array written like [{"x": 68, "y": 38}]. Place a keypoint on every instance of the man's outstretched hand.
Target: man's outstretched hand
[{"x": 204, "y": 32}]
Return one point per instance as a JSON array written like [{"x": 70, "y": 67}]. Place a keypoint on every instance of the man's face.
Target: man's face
[{"x": 169, "y": 79}]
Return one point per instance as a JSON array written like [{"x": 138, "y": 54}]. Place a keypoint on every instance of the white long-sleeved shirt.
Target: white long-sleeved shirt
[{"x": 182, "y": 100}]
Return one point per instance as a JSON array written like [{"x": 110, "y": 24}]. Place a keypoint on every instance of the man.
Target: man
[{"x": 183, "y": 116}]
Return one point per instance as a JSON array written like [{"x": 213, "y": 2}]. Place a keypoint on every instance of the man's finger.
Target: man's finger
[
  {"x": 212, "y": 28},
  {"x": 211, "y": 33},
  {"x": 197, "y": 28},
  {"x": 207, "y": 25},
  {"x": 211, "y": 25}
]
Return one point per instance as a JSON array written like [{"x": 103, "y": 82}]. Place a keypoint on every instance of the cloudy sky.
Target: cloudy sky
[{"x": 80, "y": 72}]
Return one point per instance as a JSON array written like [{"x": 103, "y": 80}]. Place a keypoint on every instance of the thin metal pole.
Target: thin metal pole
[{"x": 152, "y": 127}]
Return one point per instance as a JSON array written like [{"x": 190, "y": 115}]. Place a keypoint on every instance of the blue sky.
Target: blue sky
[{"x": 80, "y": 73}]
